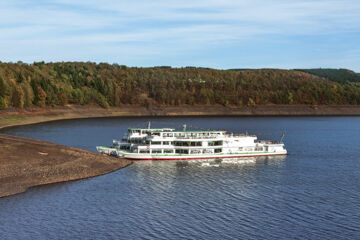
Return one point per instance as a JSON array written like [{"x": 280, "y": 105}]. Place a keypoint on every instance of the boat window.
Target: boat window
[
  {"x": 135, "y": 140},
  {"x": 187, "y": 144},
  {"x": 144, "y": 151},
  {"x": 168, "y": 151},
  {"x": 196, "y": 143},
  {"x": 218, "y": 150},
  {"x": 208, "y": 150},
  {"x": 155, "y": 143},
  {"x": 195, "y": 151},
  {"x": 156, "y": 151},
  {"x": 166, "y": 143},
  {"x": 182, "y": 151}
]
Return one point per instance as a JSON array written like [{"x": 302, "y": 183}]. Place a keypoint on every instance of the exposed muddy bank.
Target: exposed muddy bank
[
  {"x": 28, "y": 162},
  {"x": 35, "y": 115}
]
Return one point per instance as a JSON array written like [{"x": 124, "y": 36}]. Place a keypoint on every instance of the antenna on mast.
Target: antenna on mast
[
  {"x": 282, "y": 136},
  {"x": 149, "y": 125}
]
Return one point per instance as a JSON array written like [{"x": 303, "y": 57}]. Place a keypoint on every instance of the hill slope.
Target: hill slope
[
  {"x": 336, "y": 75},
  {"x": 52, "y": 84}
]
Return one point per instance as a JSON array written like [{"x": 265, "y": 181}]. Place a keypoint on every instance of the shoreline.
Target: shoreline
[
  {"x": 16, "y": 117},
  {"x": 37, "y": 163},
  {"x": 30, "y": 166}
]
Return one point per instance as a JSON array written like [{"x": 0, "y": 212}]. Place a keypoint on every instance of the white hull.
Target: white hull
[{"x": 136, "y": 156}]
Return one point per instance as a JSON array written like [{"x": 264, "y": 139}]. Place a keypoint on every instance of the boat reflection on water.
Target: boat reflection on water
[
  {"x": 220, "y": 162},
  {"x": 165, "y": 179}
]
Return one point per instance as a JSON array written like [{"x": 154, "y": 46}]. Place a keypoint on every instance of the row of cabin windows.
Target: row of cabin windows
[
  {"x": 186, "y": 144},
  {"x": 175, "y": 143},
  {"x": 249, "y": 149},
  {"x": 215, "y": 143},
  {"x": 180, "y": 151},
  {"x": 159, "y": 143},
  {"x": 201, "y": 134},
  {"x": 136, "y": 140},
  {"x": 189, "y": 134}
]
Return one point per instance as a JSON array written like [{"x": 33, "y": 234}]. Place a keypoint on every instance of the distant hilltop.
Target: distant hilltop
[{"x": 85, "y": 83}]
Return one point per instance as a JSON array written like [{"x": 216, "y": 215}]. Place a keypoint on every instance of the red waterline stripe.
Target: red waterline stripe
[{"x": 170, "y": 159}]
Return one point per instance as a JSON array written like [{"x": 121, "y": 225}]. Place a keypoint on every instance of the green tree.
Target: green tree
[
  {"x": 2, "y": 103},
  {"x": 290, "y": 98},
  {"x": 251, "y": 102}
]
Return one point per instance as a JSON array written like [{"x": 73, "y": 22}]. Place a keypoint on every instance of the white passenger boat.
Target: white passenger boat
[{"x": 170, "y": 144}]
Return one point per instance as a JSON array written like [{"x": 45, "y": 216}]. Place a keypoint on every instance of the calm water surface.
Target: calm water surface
[{"x": 313, "y": 193}]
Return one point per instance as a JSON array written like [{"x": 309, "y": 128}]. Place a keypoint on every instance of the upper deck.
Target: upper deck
[{"x": 170, "y": 133}]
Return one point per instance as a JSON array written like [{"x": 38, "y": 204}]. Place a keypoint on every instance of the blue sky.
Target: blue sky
[{"x": 208, "y": 33}]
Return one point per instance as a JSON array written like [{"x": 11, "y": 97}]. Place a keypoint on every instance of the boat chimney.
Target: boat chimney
[{"x": 184, "y": 127}]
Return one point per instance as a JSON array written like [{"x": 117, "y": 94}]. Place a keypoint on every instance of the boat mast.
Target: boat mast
[{"x": 282, "y": 136}]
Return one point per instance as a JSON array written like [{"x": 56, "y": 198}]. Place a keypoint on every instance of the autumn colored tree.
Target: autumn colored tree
[
  {"x": 17, "y": 97},
  {"x": 40, "y": 96},
  {"x": 51, "y": 84}
]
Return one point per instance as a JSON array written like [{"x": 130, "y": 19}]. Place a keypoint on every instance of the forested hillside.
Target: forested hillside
[
  {"x": 51, "y": 84},
  {"x": 336, "y": 75}
]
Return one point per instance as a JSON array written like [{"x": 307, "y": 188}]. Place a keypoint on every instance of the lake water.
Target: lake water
[{"x": 313, "y": 193}]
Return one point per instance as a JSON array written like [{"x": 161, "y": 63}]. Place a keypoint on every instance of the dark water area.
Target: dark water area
[{"x": 313, "y": 193}]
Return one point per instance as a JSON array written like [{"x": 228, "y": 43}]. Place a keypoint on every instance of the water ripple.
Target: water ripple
[{"x": 311, "y": 194}]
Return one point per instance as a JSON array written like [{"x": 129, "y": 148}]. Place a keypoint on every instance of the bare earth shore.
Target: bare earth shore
[
  {"x": 27, "y": 162},
  {"x": 35, "y": 115}
]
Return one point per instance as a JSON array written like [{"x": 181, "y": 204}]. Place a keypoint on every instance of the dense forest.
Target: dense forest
[
  {"x": 336, "y": 75},
  {"x": 52, "y": 84}
]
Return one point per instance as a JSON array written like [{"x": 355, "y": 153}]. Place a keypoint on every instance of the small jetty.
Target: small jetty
[{"x": 26, "y": 162}]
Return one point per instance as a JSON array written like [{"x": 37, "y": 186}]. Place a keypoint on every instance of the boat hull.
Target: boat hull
[{"x": 192, "y": 157}]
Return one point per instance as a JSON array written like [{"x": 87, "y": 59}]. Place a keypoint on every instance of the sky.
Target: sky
[{"x": 218, "y": 34}]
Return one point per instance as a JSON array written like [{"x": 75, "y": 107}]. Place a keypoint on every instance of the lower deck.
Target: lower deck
[
  {"x": 204, "y": 156},
  {"x": 188, "y": 155}
]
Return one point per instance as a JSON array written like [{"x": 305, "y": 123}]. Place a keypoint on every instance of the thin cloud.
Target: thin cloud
[{"x": 158, "y": 27}]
